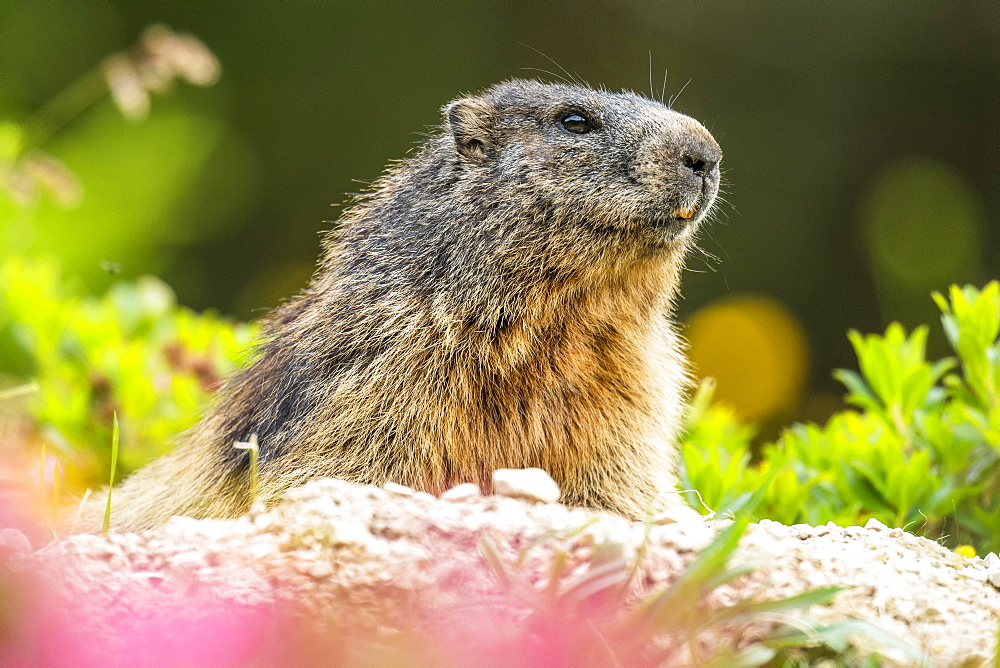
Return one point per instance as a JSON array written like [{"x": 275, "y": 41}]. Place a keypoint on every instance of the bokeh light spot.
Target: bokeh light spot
[
  {"x": 755, "y": 349},
  {"x": 923, "y": 224}
]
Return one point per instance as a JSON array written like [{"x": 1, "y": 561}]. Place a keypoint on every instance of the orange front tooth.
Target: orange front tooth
[{"x": 686, "y": 213}]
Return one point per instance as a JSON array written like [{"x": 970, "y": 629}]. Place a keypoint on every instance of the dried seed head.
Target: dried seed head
[
  {"x": 126, "y": 86},
  {"x": 54, "y": 176},
  {"x": 161, "y": 57},
  {"x": 185, "y": 55}
]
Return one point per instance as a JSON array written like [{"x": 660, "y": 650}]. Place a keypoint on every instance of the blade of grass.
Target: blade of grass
[
  {"x": 18, "y": 391},
  {"x": 661, "y": 610},
  {"x": 744, "y": 611},
  {"x": 114, "y": 466},
  {"x": 838, "y": 637},
  {"x": 41, "y": 466},
  {"x": 41, "y": 482},
  {"x": 560, "y": 562},
  {"x": 79, "y": 509},
  {"x": 494, "y": 561},
  {"x": 602, "y": 578},
  {"x": 55, "y": 488}
]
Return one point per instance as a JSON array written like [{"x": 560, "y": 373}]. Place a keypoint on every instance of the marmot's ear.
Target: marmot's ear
[{"x": 470, "y": 122}]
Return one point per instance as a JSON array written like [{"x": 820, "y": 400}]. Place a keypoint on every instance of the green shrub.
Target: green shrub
[
  {"x": 920, "y": 451},
  {"x": 134, "y": 351}
]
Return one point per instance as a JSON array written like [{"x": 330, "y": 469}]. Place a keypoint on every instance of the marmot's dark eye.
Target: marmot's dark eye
[{"x": 576, "y": 124}]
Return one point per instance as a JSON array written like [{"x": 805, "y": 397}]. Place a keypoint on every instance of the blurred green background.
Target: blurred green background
[{"x": 862, "y": 145}]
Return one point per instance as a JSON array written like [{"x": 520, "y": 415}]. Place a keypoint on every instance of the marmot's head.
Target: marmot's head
[{"x": 613, "y": 166}]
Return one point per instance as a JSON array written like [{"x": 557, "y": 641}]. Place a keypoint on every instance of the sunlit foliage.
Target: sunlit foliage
[
  {"x": 919, "y": 450},
  {"x": 133, "y": 351}
]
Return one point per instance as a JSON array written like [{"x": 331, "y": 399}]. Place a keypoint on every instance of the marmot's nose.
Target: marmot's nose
[{"x": 701, "y": 160}]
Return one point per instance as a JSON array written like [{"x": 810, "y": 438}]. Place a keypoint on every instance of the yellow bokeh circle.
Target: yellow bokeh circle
[{"x": 755, "y": 349}]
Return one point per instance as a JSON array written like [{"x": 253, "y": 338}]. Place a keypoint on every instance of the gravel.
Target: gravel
[{"x": 380, "y": 558}]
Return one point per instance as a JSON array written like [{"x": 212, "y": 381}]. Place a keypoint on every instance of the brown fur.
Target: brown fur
[{"x": 501, "y": 299}]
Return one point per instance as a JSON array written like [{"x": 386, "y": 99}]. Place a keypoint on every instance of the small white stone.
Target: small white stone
[
  {"x": 678, "y": 515},
  {"x": 13, "y": 542},
  {"x": 531, "y": 484},
  {"x": 463, "y": 492},
  {"x": 320, "y": 569},
  {"x": 395, "y": 488},
  {"x": 352, "y": 532},
  {"x": 686, "y": 537},
  {"x": 186, "y": 563},
  {"x": 873, "y": 523},
  {"x": 993, "y": 569},
  {"x": 325, "y": 505},
  {"x": 258, "y": 550},
  {"x": 904, "y": 606},
  {"x": 801, "y": 531},
  {"x": 721, "y": 525}
]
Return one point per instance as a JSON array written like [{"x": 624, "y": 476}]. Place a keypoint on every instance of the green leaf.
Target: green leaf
[
  {"x": 669, "y": 609},
  {"x": 746, "y": 611},
  {"x": 114, "y": 466},
  {"x": 608, "y": 576}
]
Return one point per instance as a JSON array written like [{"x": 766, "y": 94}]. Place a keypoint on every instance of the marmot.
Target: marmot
[{"x": 501, "y": 299}]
